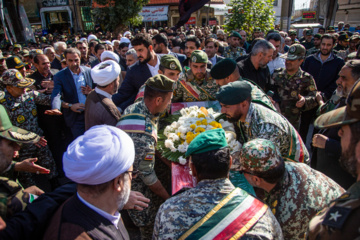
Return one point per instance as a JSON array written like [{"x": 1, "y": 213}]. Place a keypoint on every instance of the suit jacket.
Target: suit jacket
[
  {"x": 180, "y": 57},
  {"x": 65, "y": 89},
  {"x": 56, "y": 64},
  {"x": 136, "y": 76}
]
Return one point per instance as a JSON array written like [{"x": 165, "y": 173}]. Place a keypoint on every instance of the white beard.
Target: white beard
[{"x": 124, "y": 195}]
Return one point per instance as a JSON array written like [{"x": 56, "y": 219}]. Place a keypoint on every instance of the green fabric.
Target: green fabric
[
  {"x": 161, "y": 83},
  {"x": 234, "y": 92},
  {"x": 199, "y": 56},
  {"x": 235, "y": 34},
  {"x": 296, "y": 51},
  {"x": 239, "y": 180},
  {"x": 223, "y": 68},
  {"x": 207, "y": 141},
  {"x": 14, "y": 62},
  {"x": 170, "y": 62}
]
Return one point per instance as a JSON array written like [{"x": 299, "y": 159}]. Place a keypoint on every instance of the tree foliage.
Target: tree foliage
[
  {"x": 248, "y": 14},
  {"x": 118, "y": 12}
]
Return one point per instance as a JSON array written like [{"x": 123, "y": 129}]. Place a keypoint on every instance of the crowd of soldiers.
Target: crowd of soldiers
[{"x": 292, "y": 100}]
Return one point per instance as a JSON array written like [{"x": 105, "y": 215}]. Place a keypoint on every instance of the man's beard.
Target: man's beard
[
  {"x": 4, "y": 163},
  {"x": 147, "y": 59},
  {"x": 325, "y": 52},
  {"x": 124, "y": 195},
  {"x": 233, "y": 119},
  {"x": 348, "y": 160}
]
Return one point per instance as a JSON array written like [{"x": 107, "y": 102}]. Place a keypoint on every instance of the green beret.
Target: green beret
[
  {"x": 223, "y": 68},
  {"x": 161, "y": 83},
  {"x": 259, "y": 155},
  {"x": 207, "y": 141},
  {"x": 234, "y": 92},
  {"x": 170, "y": 62},
  {"x": 318, "y": 35},
  {"x": 235, "y": 34},
  {"x": 199, "y": 56}
]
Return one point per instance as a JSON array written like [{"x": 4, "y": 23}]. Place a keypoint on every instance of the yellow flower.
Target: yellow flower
[
  {"x": 179, "y": 133},
  {"x": 200, "y": 115},
  {"x": 213, "y": 123},
  {"x": 199, "y": 130},
  {"x": 192, "y": 126},
  {"x": 198, "y": 122},
  {"x": 219, "y": 125},
  {"x": 204, "y": 122}
]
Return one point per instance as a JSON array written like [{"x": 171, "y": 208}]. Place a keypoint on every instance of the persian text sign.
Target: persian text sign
[
  {"x": 309, "y": 15},
  {"x": 154, "y": 13},
  {"x": 192, "y": 21}
]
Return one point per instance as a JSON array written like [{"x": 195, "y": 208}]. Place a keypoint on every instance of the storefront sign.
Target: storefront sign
[
  {"x": 309, "y": 15},
  {"x": 155, "y": 13},
  {"x": 220, "y": 9},
  {"x": 191, "y": 21},
  {"x": 212, "y": 22}
]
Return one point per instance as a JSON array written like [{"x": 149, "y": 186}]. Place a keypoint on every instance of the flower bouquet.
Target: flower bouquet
[{"x": 176, "y": 137}]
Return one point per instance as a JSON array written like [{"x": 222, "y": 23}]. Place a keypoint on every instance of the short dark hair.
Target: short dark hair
[
  {"x": 193, "y": 38},
  {"x": 72, "y": 51},
  {"x": 212, "y": 164},
  {"x": 273, "y": 175},
  {"x": 151, "y": 93},
  {"x": 123, "y": 45},
  {"x": 36, "y": 58},
  {"x": 141, "y": 39},
  {"x": 208, "y": 40},
  {"x": 160, "y": 38},
  {"x": 80, "y": 42},
  {"x": 98, "y": 47},
  {"x": 328, "y": 36},
  {"x": 93, "y": 44},
  {"x": 176, "y": 42},
  {"x": 274, "y": 36}
]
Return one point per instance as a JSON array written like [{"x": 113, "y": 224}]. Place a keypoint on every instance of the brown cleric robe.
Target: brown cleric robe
[{"x": 100, "y": 110}]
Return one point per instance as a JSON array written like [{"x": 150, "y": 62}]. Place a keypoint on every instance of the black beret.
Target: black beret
[
  {"x": 223, "y": 68},
  {"x": 234, "y": 92}
]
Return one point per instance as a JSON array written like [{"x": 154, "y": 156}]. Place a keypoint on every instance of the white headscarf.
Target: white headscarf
[
  {"x": 105, "y": 72},
  {"x": 91, "y": 37},
  {"x": 100, "y": 155}
]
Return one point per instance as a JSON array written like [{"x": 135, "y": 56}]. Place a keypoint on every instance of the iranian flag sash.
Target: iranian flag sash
[
  {"x": 296, "y": 151},
  {"x": 195, "y": 90},
  {"x": 230, "y": 219}
]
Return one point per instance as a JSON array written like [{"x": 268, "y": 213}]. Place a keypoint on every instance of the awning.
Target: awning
[
  {"x": 55, "y": 9},
  {"x": 155, "y": 13},
  {"x": 220, "y": 9}
]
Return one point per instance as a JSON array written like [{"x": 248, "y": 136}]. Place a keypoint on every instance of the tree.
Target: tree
[
  {"x": 248, "y": 14},
  {"x": 118, "y": 13}
]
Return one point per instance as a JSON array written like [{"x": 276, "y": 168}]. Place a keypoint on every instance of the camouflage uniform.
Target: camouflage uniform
[
  {"x": 230, "y": 53},
  {"x": 312, "y": 50},
  {"x": 298, "y": 196},
  {"x": 179, "y": 213},
  {"x": 288, "y": 87},
  {"x": 145, "y": 144},
  {"x": 208, "y": 84},
  {"x": 23, "y": 113},
  {"x": 307, "y": 45},
  {"x": 340, "y": 220}
]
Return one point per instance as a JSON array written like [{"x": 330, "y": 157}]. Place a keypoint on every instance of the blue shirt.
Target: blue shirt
[{"x": 79, "y": 80}]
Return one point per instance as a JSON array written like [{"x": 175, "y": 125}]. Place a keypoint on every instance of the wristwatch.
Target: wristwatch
[{"x": 69, "y": 105}]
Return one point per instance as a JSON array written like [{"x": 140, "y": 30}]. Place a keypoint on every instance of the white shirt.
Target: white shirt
[
  {"x": 114, "y": 219},
  {"x": 105, "y": 94},
  {"x": 213, "y": 60},
  {"x": 154, "y": 70},
  {"x": 278, "y": 62}
]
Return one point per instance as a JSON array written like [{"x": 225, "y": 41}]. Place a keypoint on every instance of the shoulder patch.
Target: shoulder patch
[
  {"x": 149, "y": 156},
  {"x": 336, "y": 217}
]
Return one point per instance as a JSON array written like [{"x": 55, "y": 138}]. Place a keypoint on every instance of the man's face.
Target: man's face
[
  {"x": 172, "y": 74},
  {"x": 243, "y": 35},
  {"x": 293, "y": 65},
  {"x": 116, "y": 45},
  {"x": 43, "y": 66},
  {"x": 124, "y": 194},
  {"x": 189, "y": 48},
  {"x": 50, "y": 54},
  {"x": 235, "y": 41},
  {"x": 210, "y": 49},
  {"x": 16, "y": 91},
  {"x": 265, "y": 57},
  {"x": 233, "y": 112},
  {"x": 123, "y": 51},
  {"x": 348, "y": 155},
  {"x": 130, "y": 60},
  {"x": 317, "y": 42},
  {"x": 143, "y": 53},
  {"x": 61, "y": 49},
  {"x": 326, "y": 46},
  {"x": 352, "y": 44},
  {"x": 83, "y": 48},
  {"x": 321, "y": 31},
  {"x": 116, "y": 86},
  {"x": 222, "y": 82},
  {"x": 73, "y": 62},
  {"x": 128, "y": 36},
  {"x": 7, "y": 149},
  {"x": 220, "y": 37},
  {"x": 276, "y": 45},
  {"x": 346, "y": 81},
  {"x": 182, "y": 37},
  {"x": 340, "y": 26},
  {"x": 99, "y": 52},
  {"x": 257, "y": 34},
  {"x": 157, "y": 47},
  {"x": 288, "y": 41},
  {"x": 308, "y": 38},
  {"x": 293, "y": 36},
  {"x": 344, "y": 43},
  {"x": 198, "y": 69},
  {"x": 16, "y": 50}
]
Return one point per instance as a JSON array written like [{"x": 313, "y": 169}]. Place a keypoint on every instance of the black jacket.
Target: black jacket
[{"x": 247, "y": 70}]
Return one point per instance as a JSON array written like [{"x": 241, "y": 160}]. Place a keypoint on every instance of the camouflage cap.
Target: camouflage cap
[
  {"x": 14, "y": 62},
  {"x": 318, "y": 35},
  {"x": 17, "y": 46},
  {"x": 296, "y": 51},
  {"x": 309, "y": 32},
  {"x": 344, "y": 37},
  {"x": 25, "y": 53},
  {"x": 235, "y": 34},
  {"x": 354, "y": 37},
  {"x": 257, "y": 29},
  {"x": 43, "y": 39},
  {"x": 14, "y": 78},
  {"x": 234, "y": 93},
  {"x": 35, "y": 51},
  {"x": 12, "y": 133},
  {"x": 170, "y": 62},
  {"x": 199, "y": 56},
  {"x": 344, "y": 115},
  {"x": 161, "y": 83},
  {"x": 292, "y": 32},
  {"x": 259, "y": 155}
]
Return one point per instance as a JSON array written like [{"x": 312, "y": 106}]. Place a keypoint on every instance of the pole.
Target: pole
[{"x": 207, "y": 16}]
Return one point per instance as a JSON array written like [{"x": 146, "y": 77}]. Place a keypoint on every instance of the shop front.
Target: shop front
[{"x": 155, "y": 16}]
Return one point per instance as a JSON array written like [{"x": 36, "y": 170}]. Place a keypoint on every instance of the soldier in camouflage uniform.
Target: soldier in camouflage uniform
[
  {"x": 295, "y": 192},
  {"x": 199, "y": 212},
  {"x": 21, "y": 105},
  {"x": 13, "y": 198},
  {"x": 295, "y": 90},
  {"x": 234, "y": 50},
  {"x": 292, "y": 35},
  {"x": 316, "y": 48},
  {"x": 308, "y": 42},
  {"x": 340, "y": 220},
  {"x": 253, "y": 120},
  {"x": 196, "y": 84},
  {"x": 140, "y": 121}
]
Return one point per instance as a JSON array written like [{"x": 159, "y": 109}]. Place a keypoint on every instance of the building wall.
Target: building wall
[{"x": 348, "y": 12}]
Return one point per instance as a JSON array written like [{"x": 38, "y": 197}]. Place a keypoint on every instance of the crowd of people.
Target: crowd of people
[{"x": 79, "y": 122}]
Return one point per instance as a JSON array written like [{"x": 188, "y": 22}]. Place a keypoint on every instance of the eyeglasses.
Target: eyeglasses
[{"x": 133, "y": 173}]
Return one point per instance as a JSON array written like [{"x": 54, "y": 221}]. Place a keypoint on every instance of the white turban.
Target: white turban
[
  {"x": 100, "y": 155},
  {"x": 126, "y": 33},
  {"x": 125, "y": 40},
  {"x": 109, "y": 54},
  {"x": 108, "y": 42},
  {"x": 82, "y": 40},
  {"x": 91, "y": 37},
  {"x": 105, "y": 72}
]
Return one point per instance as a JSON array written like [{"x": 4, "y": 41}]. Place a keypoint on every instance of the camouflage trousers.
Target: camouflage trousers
[{"x": 45, "y": 159}]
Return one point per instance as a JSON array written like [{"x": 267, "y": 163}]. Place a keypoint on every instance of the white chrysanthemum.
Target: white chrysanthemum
[
  {"x": 173, "y": 137},
  {"x": 182, "y": 148},
  {"x": 173, "y": 149},
  {"x": 183, "y": 112},
  {"x": 182, "y": 129},
  {"x": 229, "y": 137},
  {"x": 183, "y": 136},
  {"x": 193, "y": 114},
  {"x": 182, "y": 160},
  {"x": 226, "y": 124},
  {"x": 221, "y": 121},
  {"x": 175, "y": 125},
  {"x": 209, "y": 127},
  {"x": 169, "y": 143}
]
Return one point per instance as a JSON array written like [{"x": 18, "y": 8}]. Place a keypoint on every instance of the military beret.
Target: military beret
[
  {"x": 318, "y": 35},
  {"x": 199, "y": 56},
  {"x": 259, "y": 155},
  {"x": 161, "y": 83},
  {"x": 170, "y": 62},
  {"x": 223, "y": 68},
  {"x": 257, "y": 29},
  {"x": 235, "y": 34},
  {"x": 234, "y": 92},
  {"x": 14, "y": 62},
  {"x": 354, "y": 37},
  {"x": 207, "y": 141}
]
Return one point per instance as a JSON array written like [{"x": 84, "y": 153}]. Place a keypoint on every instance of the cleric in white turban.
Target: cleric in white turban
[
  {"x": 99, "y": 107},
  {"x": 91, "y": 37},
  {"x": 109, "y": 55}
]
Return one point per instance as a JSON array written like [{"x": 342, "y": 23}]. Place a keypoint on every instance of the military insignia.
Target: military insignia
[
  {"x": 194, "y": 59},
  {"x": 312, "y": 88},
  {"x": 34, "y": 112},
  {"x": 292, "y": 49},
  {"x": 150, "y": 156},
  {"x": 274, "y": 204},
  {"x": 20, "y": 119},
  {"x": 17, "y": 60},
  {"x": 38, "y": 51},
  {"x": 293, "y": 93},
  {"x": 336, "y": 217},
  {"x": 18, "y": 75},
  {"x": 23, "y": 137},
  {"x": 344, "y": 196},
  {"x": 273, "y": 211},
  {"x": 172, "y": 66}
]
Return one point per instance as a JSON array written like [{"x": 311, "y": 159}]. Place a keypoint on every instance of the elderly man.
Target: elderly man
[
  {"x": 252, "y": 120},
  {"x": 254, "y": 67},
  {"x": 234, "y": 50},
  {"x": 214, "y": 209},
  {"x": 140, "y": 122},
  {"x": 59, "y": 47},
  {"x": 131, "y": 57},
  {"x": 196, "y": 84},
  {"x": 100, "y": 162},
  {"x": 340, "y": 219},
  {"x": 50, "y": 53},
  {"x": 295, "y": 192},
  {"x": 99, "y": 108}
]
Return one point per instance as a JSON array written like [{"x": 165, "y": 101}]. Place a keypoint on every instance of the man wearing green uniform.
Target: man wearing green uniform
[
  {"x": 234, "y": 50},
  {"x": 308, "y": 42}
]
